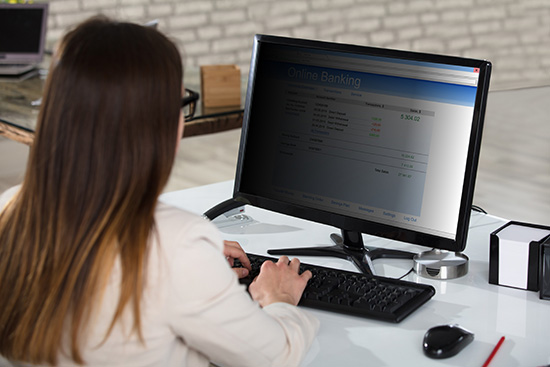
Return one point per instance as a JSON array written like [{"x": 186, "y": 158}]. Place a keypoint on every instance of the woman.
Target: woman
[{"x": 93, "y": 270}]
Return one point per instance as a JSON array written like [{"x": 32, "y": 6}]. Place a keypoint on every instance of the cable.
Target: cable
[
  {"x": 479, "y": 209},
  {"x": 404, "y": 275}
]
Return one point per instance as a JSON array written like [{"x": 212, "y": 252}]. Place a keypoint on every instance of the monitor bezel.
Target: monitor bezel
[
  {"x": 347, "y": 223},
  {"x": 27, "y": 57}
]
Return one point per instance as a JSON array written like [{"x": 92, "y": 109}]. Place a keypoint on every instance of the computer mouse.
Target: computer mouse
[{"x": 445, "y": 341}]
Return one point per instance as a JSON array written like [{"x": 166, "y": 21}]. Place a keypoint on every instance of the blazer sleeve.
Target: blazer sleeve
[
  {"x": 7, "y": 195},
  {"x": 214, "y": 314}
]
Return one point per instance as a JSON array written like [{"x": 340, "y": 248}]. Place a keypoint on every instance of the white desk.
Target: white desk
[{"x": 487, "y": 310}]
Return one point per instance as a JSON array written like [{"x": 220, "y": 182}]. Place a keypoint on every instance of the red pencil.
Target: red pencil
[{"x": 495, "y": 350}]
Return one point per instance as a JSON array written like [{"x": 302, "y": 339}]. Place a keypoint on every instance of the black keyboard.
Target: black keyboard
[{"x": 357, "y": 294}]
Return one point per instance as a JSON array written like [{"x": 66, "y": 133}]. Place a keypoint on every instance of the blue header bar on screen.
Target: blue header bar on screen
[{"x": 376, "y": 83}]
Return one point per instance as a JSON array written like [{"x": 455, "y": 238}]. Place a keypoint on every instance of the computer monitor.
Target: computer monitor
[
  {"x": 22, "y": 36},
  {"x": 369, "y": 140}
]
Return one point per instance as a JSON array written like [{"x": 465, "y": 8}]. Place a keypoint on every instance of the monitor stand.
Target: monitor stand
[
  {"x": 350, "y": 247},
  {"x": 434, "y": 264}
]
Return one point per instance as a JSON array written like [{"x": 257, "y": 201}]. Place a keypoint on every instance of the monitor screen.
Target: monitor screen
[
  {"x": 369, "y": 140},
  {"x": 22, "y": 32}
]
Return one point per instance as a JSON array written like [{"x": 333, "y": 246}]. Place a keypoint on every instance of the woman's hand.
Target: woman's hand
[
  {"x": 279, "y": 282},
  {"x": 232, "y": 250}
]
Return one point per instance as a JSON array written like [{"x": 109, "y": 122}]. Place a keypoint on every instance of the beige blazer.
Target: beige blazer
[{"x": 194, "y": 310}]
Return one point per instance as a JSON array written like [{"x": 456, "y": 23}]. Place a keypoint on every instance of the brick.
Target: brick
[
  {"x": 284, "y": 22},
  {"x": 454, "y": 16},
  {"x": 195, "y": 48},
  {"x": 209, "y": 32},
  {"x": 282, "y": 32},
  {"x": 327, "y": 4},
  {"x": 213, "y": 59},
  {"x": 479, "y": 14},
  {"x": 51, "y": 24},
  {"x": 492, "y": 2},
  {"x": 409, "y": 33},
  {"x": 522, "y": 23},
  {"x": 230, "y": 4},
  {"x": 65, "y": 20},
  {"x": 453, "y": 4},
  {"x": 325, "y": 16},
  {"x": 534, "y": 74},
  {"x": 53, "y": 36},
  {"x": 428, "y": 45},
  {"x": 366, "y": 25},
  {"x": 288, "y": 7},
  {"x": 133, "y": 2},
  {"x": 429, "y": 18},
  {"x": 242, "y": 29},
  {"x": 183, "y": 35},
  {"x": 57, "y": 7},
  {"x": 397, "y": 7},
  {"x": 305, "y": 32},
  {"x": 479, "y": 53},
  {"x": 158, "y": 10},
  {"x": 400, "y": 21},
  {"x": 423, "y": 6},
  {"x": 460, "y": 43},
  {"x": 97, "y": 4},
  {"x": 225, "y": 17},
  {"x": 331, "y": 31},
  {"x": 193, "y": 7},
  {"x": 535, "y": 4},
  {"x": 187, "y": 21},
  {"x": 132, "y": 13},
  {"x": 511, "y": 62},
  {"x": 400, "y": 45},
  {"x": 535, "y": 49},
  {"x": 516, "y": 8},
  {"x": 230, "y": 44},
  {"x": 497, "y": 40},
  {"x": 486, "y": 27},
  {"x": 411, "y": 7},
  {"x": 545, "y": 61},
  {"x": 245, "y": 70},
  {"x": 243, "y": 57},
  {"x": 537, "y": 37},
  {"x": 353, "y": 38},
  {"x": 259, "y": 11},
  {"x": 366, "y": 11},
  {"x": 446, "y": 30},
  {"x": 190, "y": 64},
  {"x": 382, "y": 37}
]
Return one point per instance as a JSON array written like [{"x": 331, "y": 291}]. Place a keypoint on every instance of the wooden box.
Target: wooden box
[{"x": 220, "y": 85}]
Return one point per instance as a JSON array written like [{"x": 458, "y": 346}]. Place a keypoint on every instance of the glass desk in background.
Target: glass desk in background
[{"x": 20, "y": 104}]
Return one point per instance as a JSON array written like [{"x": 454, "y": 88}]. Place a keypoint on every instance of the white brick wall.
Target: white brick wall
[{"x": 513, "y": 34}]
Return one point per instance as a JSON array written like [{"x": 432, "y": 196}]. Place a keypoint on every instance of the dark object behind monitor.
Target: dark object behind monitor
[{"x": 369, "y": 140}]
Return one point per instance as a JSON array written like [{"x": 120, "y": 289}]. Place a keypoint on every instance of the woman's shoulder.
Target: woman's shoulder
[
  {"x": 7, "y": 195},
  {"x": 178, "y": 226},
  {"x": 166, "y": 212},
  {"x": 170, "y": 216}
]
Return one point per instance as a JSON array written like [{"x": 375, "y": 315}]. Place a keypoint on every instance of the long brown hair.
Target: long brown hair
[{"x": 104, "y": 147}]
